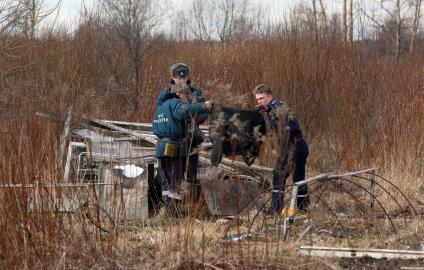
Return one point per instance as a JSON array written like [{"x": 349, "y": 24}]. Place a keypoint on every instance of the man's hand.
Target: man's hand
[
  {"x": 260, "y": 108},
  {"x": 208, "y": 105}
]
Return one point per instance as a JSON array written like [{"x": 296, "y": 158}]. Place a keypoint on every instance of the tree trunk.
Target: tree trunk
[
  {"x": 324, "y": 16},
  {"x": 415, "y": 24},
  {"x": 345, "y": 21},
  {"x": 350, "y": 25},
  {"x": 398, "y": 29},
  {"x": 315, "y": 22},
  {"x": 33, "y": 19}
]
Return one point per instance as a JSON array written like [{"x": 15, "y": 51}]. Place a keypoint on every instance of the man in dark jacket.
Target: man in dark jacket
[
  {"x": 170, "y": 126},
  {"x": 288, "y": 162},
  {"x": 180, "y": 73}
]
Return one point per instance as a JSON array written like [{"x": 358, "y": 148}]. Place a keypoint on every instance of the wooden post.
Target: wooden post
[{"x": 64, "y": 136}]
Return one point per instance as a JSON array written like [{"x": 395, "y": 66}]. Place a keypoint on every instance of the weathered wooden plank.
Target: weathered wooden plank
[
  {"x": 147, "y": 137},
  {"x": 360, "y": 252},
  {"x": 148, "y": 126},
  {"x": 228, "y": 163},
  {"x": 58, "y": 185}
]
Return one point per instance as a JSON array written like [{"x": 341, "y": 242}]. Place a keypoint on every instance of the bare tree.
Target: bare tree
[
  {"x": 19, "y": 18},
  {"x": 350, "y": 22},
  {"x": 35, "y": 12},
  {"x": 23, "y": 16},
  {"x": 324, "y": 16},
  {"x": 415, "y": 24},
  {"x": 130, "y": 23},
  {"x": 200, "y": 18},
  {"x": 224, "y": 20},
  {"x": 226, "y": 10},
  {"x": 179, "y": 27},
  {"x": 391, "y": 22},
  {"x": 315, "y": 18},
  {"x": 345, "y": 21},
  {"x": 398, "y": 29},
  {"x": 10, "y": 13},
  {"x": 320, "y": 20}
]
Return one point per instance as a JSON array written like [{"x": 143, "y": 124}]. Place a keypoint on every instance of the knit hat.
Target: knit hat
[{"x": 179, "y": 70}]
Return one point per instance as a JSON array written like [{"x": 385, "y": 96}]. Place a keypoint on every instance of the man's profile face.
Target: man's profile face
[{"x": 263, "y": 99}]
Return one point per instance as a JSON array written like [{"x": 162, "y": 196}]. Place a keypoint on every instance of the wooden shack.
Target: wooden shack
[{"x": 101, "y": 148}]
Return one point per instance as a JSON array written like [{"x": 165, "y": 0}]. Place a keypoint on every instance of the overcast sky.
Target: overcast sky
[{"x": 69, "y": 10}]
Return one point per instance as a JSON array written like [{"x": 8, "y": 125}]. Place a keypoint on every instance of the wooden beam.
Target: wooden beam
[
  {"x": 360, "y": 252},
  {"x": 147, "y": 126},
  {"x": 148, "y": 138},
  {"x": 59, "y": 185},
  {"x": 229, "y": 162}
]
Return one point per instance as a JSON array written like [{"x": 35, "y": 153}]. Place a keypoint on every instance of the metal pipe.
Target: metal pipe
[
  {"x": 372, "y": 189},
  {"x": 351, "y": 173},
  {"x": 312, "y": 179},
  {"x": 291, "y": 213}
]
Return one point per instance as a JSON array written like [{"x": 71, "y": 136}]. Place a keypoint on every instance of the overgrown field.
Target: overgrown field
[{"x": 358, "y": 108}]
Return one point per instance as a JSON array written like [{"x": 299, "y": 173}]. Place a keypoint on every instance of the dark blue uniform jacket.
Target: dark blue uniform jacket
[
  {"x": 170, "y": 120},
  {"x": 292, "y": 123}
]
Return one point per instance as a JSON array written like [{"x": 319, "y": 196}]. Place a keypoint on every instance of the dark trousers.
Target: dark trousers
[
  {"x": 171, "y": 171},
  {"x": 193, "y": 161},
  {"x": 280, "y": 174}
]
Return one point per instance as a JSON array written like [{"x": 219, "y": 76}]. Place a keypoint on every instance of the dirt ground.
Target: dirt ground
[{"x": 256, "y": 242}]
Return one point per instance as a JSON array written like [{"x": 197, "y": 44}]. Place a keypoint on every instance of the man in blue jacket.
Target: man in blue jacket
[
  {"x": 180, "y": 76},
  {"x": 170, "y": 126},
  {"x": 295, "y": 142}
]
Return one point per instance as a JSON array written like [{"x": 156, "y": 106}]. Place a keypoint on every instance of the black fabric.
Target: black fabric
[
  {"x": 171, "y": 172},
  {"x": 197, "y": 137},
  {"x": 236, "y": 132},
  {"x": 193, "y": 161},
  {"x": 279, "y": 177},
  {"x": 290, "y": 119}
]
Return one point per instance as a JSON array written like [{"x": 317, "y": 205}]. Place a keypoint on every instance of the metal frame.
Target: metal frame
[{"x": 292, "y": 211}]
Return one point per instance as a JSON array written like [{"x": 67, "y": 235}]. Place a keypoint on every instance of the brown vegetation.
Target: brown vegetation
[{"x": 358, "y": 107}]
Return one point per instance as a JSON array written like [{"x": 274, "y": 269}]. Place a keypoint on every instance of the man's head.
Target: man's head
[
  {"x": 179, "y": 73},
  {"x": 263, "y": 94}
]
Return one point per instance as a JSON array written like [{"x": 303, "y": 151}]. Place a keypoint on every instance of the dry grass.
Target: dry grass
[{"x": 358, "y": 109}]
